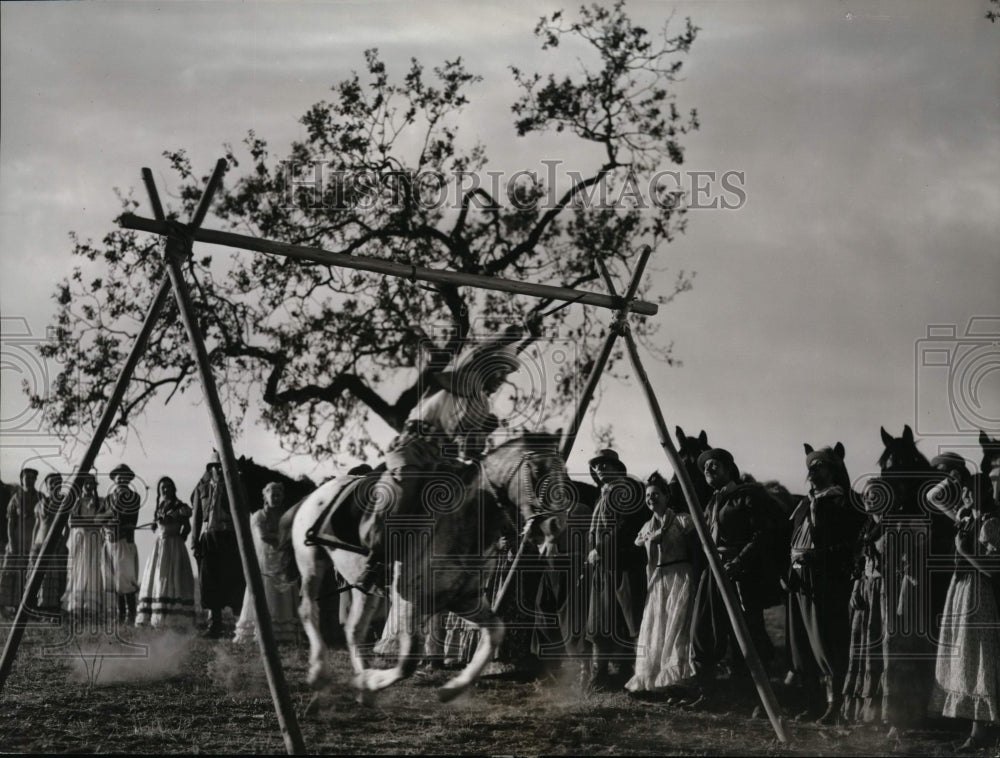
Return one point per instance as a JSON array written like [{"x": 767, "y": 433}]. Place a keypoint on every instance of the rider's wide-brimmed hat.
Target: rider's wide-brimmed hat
[{"x": 468, "y": 378}]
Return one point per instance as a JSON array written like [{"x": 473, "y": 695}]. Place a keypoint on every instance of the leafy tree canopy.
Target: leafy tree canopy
[{"x": 327, "y": 349}]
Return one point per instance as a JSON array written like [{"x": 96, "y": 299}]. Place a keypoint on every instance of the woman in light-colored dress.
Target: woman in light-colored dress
[
  {"x": 282, "y": 596},
  {"x": 664, "y": 643},
  {"x": 166, "y": 593},
  {"x": 967, "y": 672},
  {"x": 85, "y": 597}
]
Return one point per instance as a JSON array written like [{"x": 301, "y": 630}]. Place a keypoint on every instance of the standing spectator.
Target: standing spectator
[
  {"x": 863, "y": 689},
  {"x": 215, "y": 548},
  {"x": 967, "y": 672},
  {"x": 281, "y": 595},
  {"x": 617, "y": 567},
  {"x": 743, "y": 523},
  {"x": 664, "y": 644},
  {"x": 84, "y": 596},
  {"x": 166, "y": 594},
  {"x": 54, "y": 579},
  {"x": 20, "y": 529},
  {"x": 121, "y": 558},
  {"x": 825, "y": 529}
]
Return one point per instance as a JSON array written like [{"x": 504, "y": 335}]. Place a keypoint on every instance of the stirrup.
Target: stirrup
[{"x": 372, "y": 579}]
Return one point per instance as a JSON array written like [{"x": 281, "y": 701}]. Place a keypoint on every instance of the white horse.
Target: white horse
[{"x": 441, "y": 559}]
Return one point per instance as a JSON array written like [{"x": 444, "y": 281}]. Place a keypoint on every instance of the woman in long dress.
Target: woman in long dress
[
  {"x": 54, "y": 577},
  {"x": 282, "y": 596},
  {"x": 166, "y": 593},
  {"x": 863, "y": 684},
  {"x": 664, "y": 642},
  {"x": 967, "y": 672},
  {"x": 85, "y": 596}
]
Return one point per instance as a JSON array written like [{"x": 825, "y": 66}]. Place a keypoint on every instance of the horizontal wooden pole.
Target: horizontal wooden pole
[{"x": 391, "y": 268}]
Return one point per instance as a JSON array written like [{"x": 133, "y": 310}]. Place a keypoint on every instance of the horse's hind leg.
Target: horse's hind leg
[{"x": 491, "y": 631}]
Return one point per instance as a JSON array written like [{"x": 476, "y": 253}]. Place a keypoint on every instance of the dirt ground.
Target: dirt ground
[{"x": 190, "y": 695}]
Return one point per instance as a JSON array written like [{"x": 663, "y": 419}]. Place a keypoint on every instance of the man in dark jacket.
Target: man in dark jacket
[
  {"x": 213, "y": 540},
  {"x": 744, "y": 523},
  {"x": 617, "y": 567}
]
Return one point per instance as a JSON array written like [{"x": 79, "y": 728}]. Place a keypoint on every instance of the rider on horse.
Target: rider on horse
[{"x": 450, "y": 424}]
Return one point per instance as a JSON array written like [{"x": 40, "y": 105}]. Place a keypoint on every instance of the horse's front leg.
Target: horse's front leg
[
  {"x": 363, "y": 607},
  {"x": 491, "y": 631},
  {"x": 312, "y": 570},
  {"x": 410, "y": 647}
]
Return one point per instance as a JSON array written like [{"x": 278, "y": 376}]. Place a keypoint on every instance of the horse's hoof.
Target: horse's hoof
[
  {"x": 446, "y": 694},
  {"x": 312, "y": 707}
]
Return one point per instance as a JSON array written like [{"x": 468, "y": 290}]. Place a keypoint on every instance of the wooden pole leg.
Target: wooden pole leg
[{"x": 733, "y": 607}]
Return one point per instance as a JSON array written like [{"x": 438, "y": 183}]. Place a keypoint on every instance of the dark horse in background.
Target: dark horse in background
[
  {"x": 919, "y": 545},
  {"x": 989, "y": 466},
  {"x": 448, "y": 551}
]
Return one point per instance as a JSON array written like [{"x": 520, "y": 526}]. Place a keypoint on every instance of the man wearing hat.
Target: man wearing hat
[
  {"x": 617, "y": 575},
  {"x": 19, "y": 528},
  {"x": 825, "y": 530},
  {"x": 121, "y": 559},
  {"x": 745, "y": 525},
  {"x": 450, "y": 423},
  {"x": 213, "y": 542}
]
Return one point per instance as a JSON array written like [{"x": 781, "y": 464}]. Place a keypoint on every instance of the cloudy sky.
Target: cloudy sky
[{"x": 869, "y": 135}]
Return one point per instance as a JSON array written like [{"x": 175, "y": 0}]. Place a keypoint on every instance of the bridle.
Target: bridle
[{"x": 536, "y": 513}]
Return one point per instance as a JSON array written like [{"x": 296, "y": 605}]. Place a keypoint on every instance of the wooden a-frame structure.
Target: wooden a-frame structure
[{"x": 179, "y": 241}]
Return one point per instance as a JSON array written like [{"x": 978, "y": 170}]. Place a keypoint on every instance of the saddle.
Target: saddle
[{"x": 337, "y": 525}]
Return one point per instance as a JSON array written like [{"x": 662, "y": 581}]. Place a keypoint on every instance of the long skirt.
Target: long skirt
[
  {"x": 166, "y": 593},
  {"x": 663, "y": 657},
  {"x": 85, "y": 572},
  {"x": 967, "y": 672},
  {"x": 53, "y": 580},
  {"x": 863, "y": 682},
  {"x": 282, "y": 603},
  {"x": 121, "y": 567}
]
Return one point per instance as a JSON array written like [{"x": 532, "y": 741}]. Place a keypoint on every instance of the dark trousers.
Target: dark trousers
[
  {"x": 712, "y": 633},
  {"x": 819, "y": 627}
]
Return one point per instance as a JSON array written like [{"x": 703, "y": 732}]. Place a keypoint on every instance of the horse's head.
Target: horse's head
[
  {"x": 529, "y": 473},
  {"x": 901, "y": 454},
  {"x": 906, "y": 470},
  {"x": 688, "y": 449}
]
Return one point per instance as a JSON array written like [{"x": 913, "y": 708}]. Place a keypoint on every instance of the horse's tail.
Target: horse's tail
[{"x": 286, "y": 547}]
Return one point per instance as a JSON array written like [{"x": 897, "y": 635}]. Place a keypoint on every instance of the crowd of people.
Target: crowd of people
[
  {"x": 891, "y": 610},
  {"x": 92, "y": 577}
]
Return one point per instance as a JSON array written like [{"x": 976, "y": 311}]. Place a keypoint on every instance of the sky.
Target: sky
[{"x": 868, "y": 135}]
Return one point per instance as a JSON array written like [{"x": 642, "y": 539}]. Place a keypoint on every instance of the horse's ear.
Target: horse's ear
[
  {"x": 886, "y": 437},
  {"x": 703, "y": 438},
  {"x": 907, "y": 434},
  {"x": 808, "y": 448},
  {"x": 680, "y": 435},
  {"x": 984, "y": 440},
  {"x": 839, "y": 450}
]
